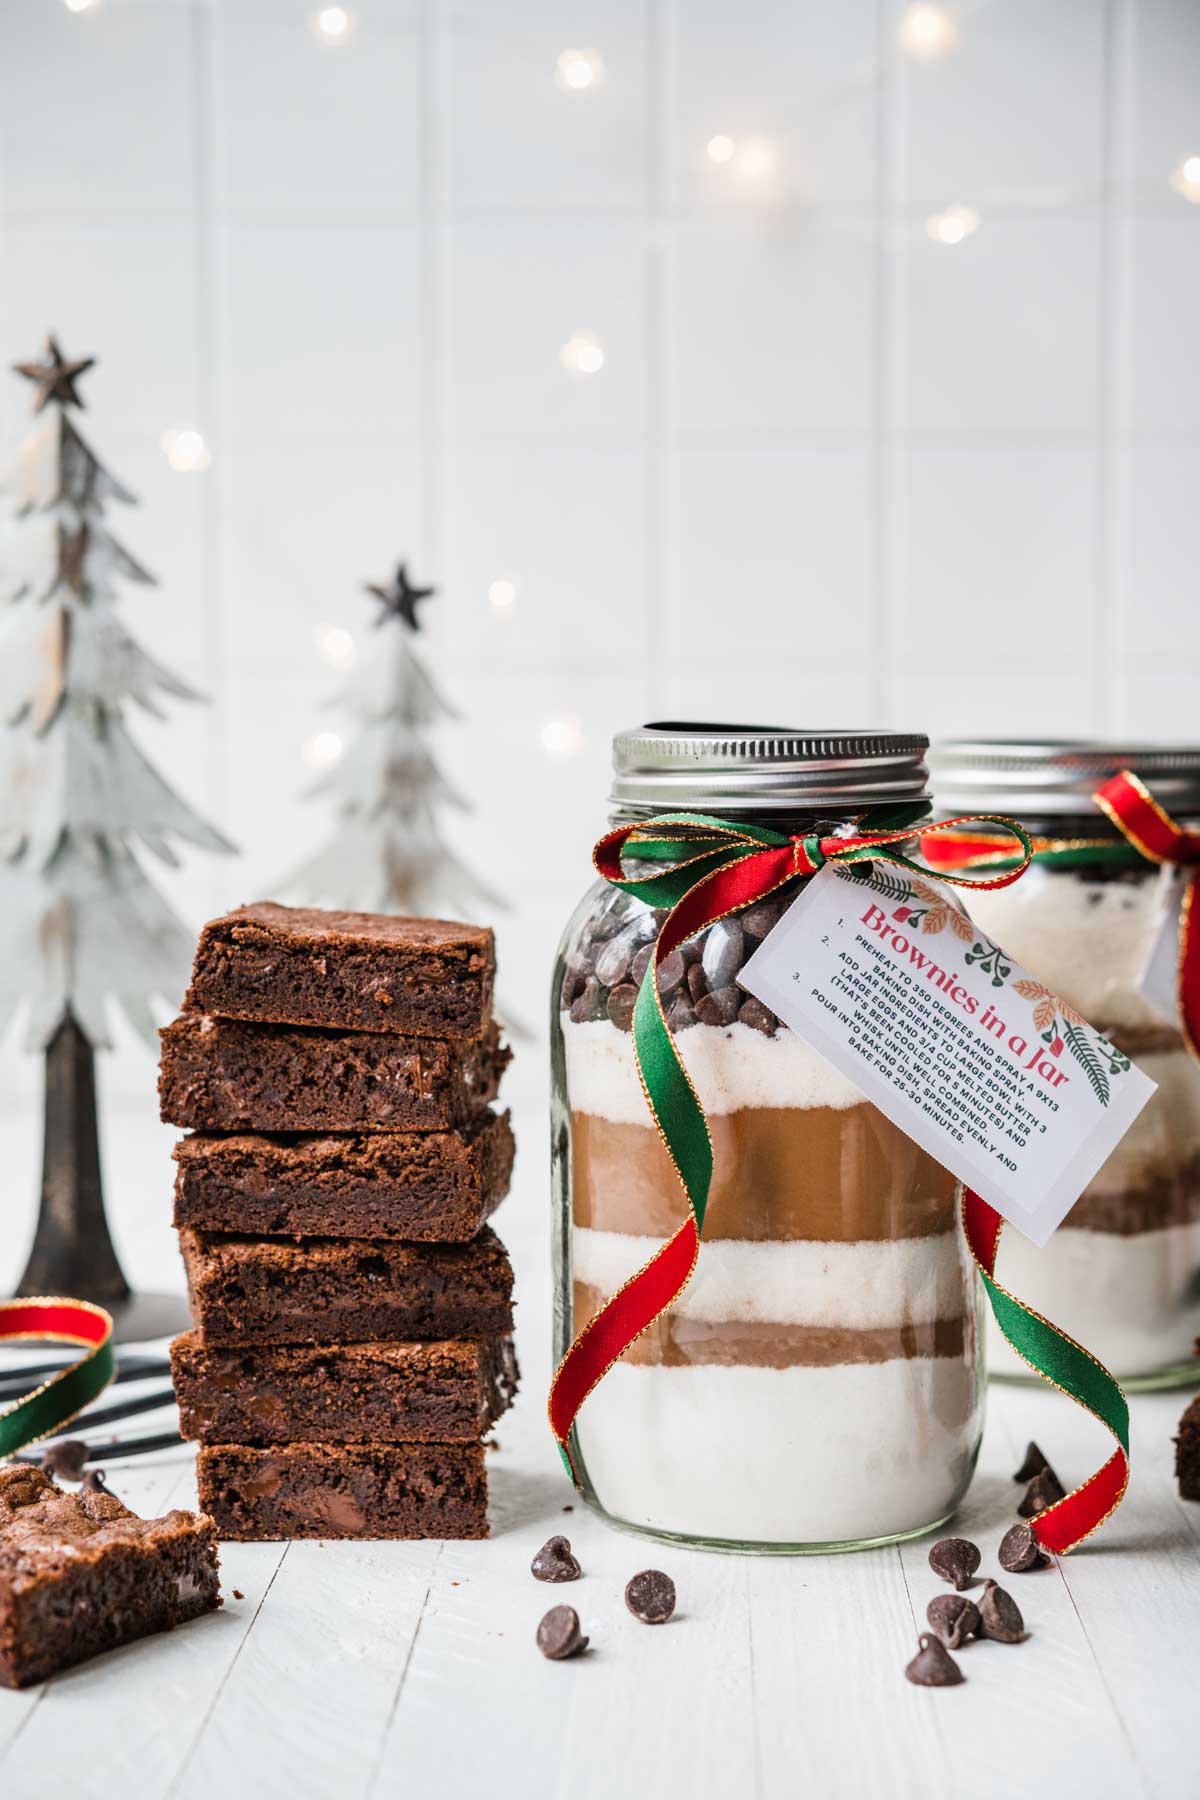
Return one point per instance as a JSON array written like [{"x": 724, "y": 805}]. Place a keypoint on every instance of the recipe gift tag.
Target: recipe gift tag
[
  {"x": 972, "y": 1057},
  {"x": 1159, "y": 979}
]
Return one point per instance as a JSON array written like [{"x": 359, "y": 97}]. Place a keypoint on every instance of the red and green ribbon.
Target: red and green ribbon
[
  {"x": 715, "y": 869},
  {"x": 53, "y": 1404}
]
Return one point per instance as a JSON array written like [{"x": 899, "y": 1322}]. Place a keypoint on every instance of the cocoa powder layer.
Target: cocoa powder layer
[
  {"x": 1167, "y": 1197},
  {"x": 843, "y": 1174},
  {"x": 678, "y": 1342}
]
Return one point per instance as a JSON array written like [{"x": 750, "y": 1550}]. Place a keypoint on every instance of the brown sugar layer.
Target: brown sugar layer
[
  {"x": 347, "y": 1491},
  {"x": 80, "y": 1573},
  {"x": 354, "y": 971},
  {"x": 1187, "y": 1452},
  {"x": 778, "y": 1173},
  {"x": 441, "y": 1392},
  {"x": 228, "y": 1075},
  {"x": 430, "y": 1186},
  {"x": 675, "y": 1341},
  {"x": 248, "y": 1290},
  {"x": 1165, "y": 1197}
]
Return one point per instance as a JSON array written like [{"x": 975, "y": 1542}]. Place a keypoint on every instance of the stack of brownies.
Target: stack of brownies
[{"x": 353, "y": 1310}]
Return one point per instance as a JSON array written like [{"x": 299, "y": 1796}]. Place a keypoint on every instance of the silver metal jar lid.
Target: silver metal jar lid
[
  {"x": 1056, "y": 779},
  {"x": 672, "y": 764}
]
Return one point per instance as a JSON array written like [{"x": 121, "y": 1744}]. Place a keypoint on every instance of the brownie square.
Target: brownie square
[
  {"x": 354, "y": 971},
  {"x": 248, "y": 1290},
  {"x": 80, "y": 1573},
  {"x": 227, "y": 1075},
  {"x": 441, "y": 1392},
  {"x": 1187, "y": 1452},
  {"x": 430, "y": 1186},
  {"x": 347, "y": 1491}
]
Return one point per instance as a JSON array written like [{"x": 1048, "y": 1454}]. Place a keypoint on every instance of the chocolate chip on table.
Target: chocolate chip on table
[
  {"x": 724, "y": 953},
  {"x": 753, "y": 1012},
  {"x": 1020, "y": 1551},
  {"x": 670, "y": 973},
  {"x": 590, "y": 1004},
  {"x": 720, "y": 1007},
  {"x": 559, "y": 1636},
  {"x": 621, "y": 1003},
  {"x": 1033, "y": 1464},
  {"x": 554, "y": 1561},
  {"x": 66, "y": 1460},
  {"x": 999, "y": 1614},
  {"x": 933, "y": 1666},
  {"x": 953, "y": 1618},
  {"x": 1042, "y": 1492},
  {"x": 650, "y": 1596},
  {"x": 613, "y": 962},
  {"x": 697, "y": 986},
  {"x": 955, "y": 1560},
  {"x": 640, "y": 963}
]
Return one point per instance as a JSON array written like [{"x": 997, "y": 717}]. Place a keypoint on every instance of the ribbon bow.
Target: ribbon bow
[
  {"x": 52, "y": 1405},
  {"x": 1155, "y": 835},
  {"x": 718, "y": 869}
]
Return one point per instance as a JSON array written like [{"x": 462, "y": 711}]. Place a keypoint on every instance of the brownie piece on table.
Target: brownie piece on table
[
  {"x": 248, "y": 1290},
  {"x": 357, "y": 971},
  {"x": 345, "y": 1490},
  {"x": 440, "y": 1392},
  {"x": 227, "y": 1075},
  {"x": 1187, "y": 1452},
  {"x": 80, "y": 1573},
  {"x": 435, "y": 1186}
]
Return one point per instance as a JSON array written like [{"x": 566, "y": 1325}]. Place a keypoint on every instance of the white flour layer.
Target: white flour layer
[
  {"x": 1132, "y": 1301},
  {"x": 783, "y": 1456},
  {"x": 857, "y": 1286},
  {"x": 731, "y": 1068},
  {"x": 1166, "y": 1133},
  {"x": 1086, "y": 940}
]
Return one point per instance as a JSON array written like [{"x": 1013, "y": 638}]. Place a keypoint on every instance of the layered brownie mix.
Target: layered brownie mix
[
  {"x": 248, "y": 1290},
  {"x": 80, "y": 1573},
  {"x": 228, "y": 1075},
  {"x": 441, "y": 1392},
  {"x": 437, "y": 1186},
  {"x": 348, "y": 1491},
  {"x": 1187, "y": 1452},
  {"x": 353, "y": 971}
]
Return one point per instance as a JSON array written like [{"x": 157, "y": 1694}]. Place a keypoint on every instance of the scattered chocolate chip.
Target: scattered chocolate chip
[
  {"x": 999, "y": 1615},
  {"x": 66, "y": 1459},
  {"x": 670, "y": 973},
  {"x": 590, "y": 1004},
  {"x": 953, "y": 1618},
  {"x": 933, "y": 1666},
  {"x": 613, "y": 962},
  {"x": 558, "y": 1635},
  {"x": 640, "y": 963},
  {"x": 697, "y": 986},
  {"x": 680, "y": 1016},
  {"x": 237, "y": 1593},
  {"x": 753, "y": 1012},
  {"x": 93, "y": 1482},
  {"x": 1042, "y": 1492},
  {"x": 650, "y": 1597},
  {"x": 568, "y": 1508},
  {"x": 1033, "y": 1465},
  {"x": 554, "y": 1561},
  {"x": 719, "y": 1007},
  {"x": 724, "y": 953},
  {"x": 1020, "y": 1551},
  {"x": 621, "y": 1003},
  {"x": 955, "y": 1560},
  {"x": 761, "y": 918}
]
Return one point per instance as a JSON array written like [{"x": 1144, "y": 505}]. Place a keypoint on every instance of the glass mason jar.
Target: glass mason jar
[
  {"x": 817, "y": 1385},
  {"x": 1122, "y": 1272}
]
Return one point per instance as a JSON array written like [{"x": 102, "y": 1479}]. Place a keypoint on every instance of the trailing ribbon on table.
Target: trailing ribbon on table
[
  {"x": 716, "y": 869},
  {"x": 1155, "y": 836},
  {"x": 53, "y": 1404}
]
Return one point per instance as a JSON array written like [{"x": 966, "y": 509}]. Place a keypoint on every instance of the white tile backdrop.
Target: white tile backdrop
[{"x": 831, "y": 470}]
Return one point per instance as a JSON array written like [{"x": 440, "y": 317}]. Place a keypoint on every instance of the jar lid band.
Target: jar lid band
[
  {"x": 1057, "y": 779},
  {"x": 680, "y": 764}
]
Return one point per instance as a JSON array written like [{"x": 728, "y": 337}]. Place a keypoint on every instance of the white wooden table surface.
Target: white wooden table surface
[{"x": 380, "y": 1669}]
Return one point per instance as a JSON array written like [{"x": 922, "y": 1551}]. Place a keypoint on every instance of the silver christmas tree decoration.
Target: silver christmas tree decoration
[
  {"x": 386, "y": 852},
  {"x": 82, "y": 926}
]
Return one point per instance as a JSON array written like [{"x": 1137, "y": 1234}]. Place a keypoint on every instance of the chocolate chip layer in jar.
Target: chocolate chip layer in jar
[
  {"x": 1122, "y": 1272},
  {"x": 817, "y": 1383}
]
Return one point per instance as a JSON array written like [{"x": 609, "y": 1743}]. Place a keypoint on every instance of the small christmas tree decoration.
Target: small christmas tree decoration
[
  {"x": 386, "y": 853},
  {"x": 81, "y": 924}
]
